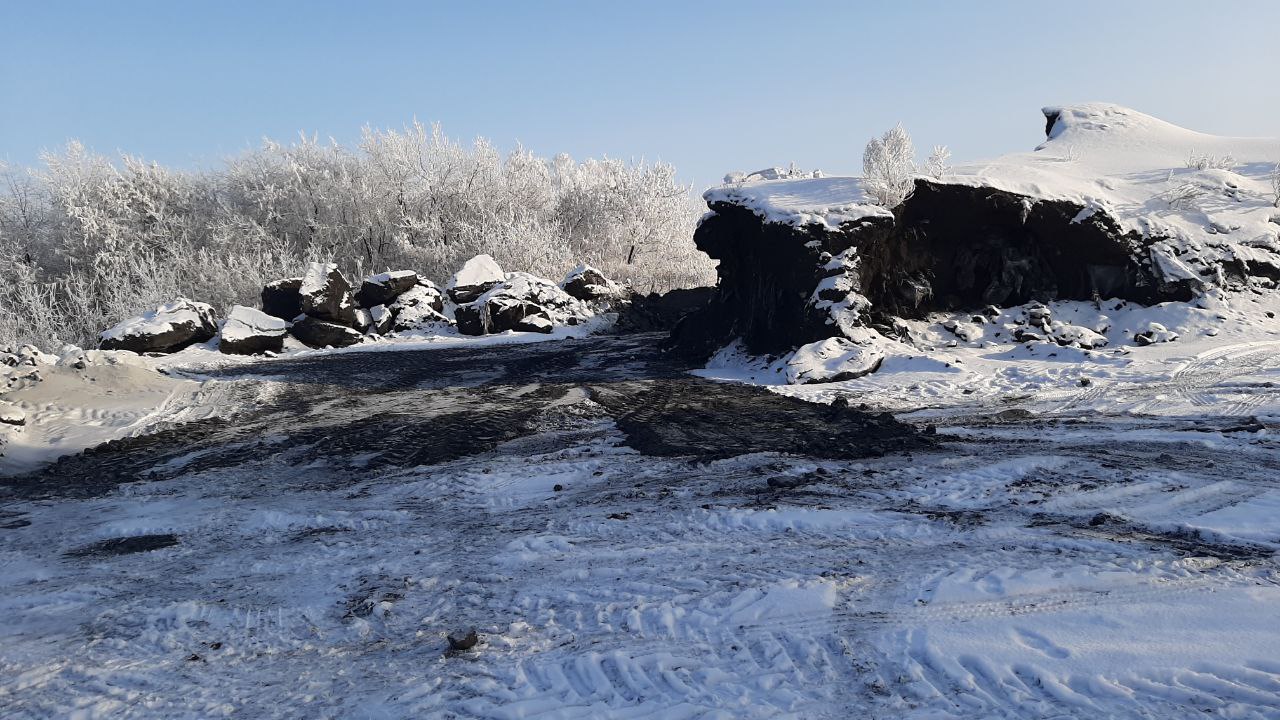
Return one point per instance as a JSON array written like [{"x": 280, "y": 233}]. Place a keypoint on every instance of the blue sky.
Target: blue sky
[{"x": 708, "y": 86}]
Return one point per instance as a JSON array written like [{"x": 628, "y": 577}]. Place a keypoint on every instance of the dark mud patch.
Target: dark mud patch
[
  {"x": 126, "y": 545},
  {"x": 709, "y": 421}
]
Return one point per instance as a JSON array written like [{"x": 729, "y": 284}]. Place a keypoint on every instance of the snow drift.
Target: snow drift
[{"x": 1114, "y": 204}]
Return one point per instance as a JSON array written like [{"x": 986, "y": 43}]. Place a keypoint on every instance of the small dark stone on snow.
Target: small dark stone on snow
[
  {"x": 464, "y": 642},
  {"x": 558, "y": 487}
]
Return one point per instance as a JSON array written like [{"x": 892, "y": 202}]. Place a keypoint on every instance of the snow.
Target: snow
[
  {"x": 479, "y": 270},
  {"x": 246, "y": 322},
  {"x": 825, "y": 201},
  {"x": 832, "y": 359},
  {"x": 162, "y": 319},
  {"x": 386, "y": 277}
]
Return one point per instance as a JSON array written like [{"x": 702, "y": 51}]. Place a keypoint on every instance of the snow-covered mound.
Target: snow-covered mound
[
  {"x": 829, "y": 202},
  {"x": 168, "y": 328}
]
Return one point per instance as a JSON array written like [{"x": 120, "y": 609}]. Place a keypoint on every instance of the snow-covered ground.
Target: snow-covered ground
[{"x": 1058, "y": 554}]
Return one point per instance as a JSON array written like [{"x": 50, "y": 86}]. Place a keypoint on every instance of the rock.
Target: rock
[
  {"x": 248, "y": 332},
  {"x": 991, "y": 311},
  {"x": 477, "y": 276},
  {"x": 524, "y": 303},
  {"x": 1023, "y": 334},
  {"x": 12, "y": 415},
  {"x": 381, "y": 320},
  {"x": 587, "y": 283},
  {"x": 660, "y": 312},
  {"x": 463, "y": 642},
  {"x": 169, "y": 328},
  {"x": 832, "y": 360},
  {"x": 326, "y": 294},
  {"x": 280, "y": 298},
  {"x": 966, "y": 331},
  {"x": 419, "y": 307},
  {"x": 383, "y": 288},
  {"x": 1155, "y": 333},
  {"x": 318, "y": 333},
  {"x": 1077, "y": 336},
  {"x": 1039, "y": 315}
]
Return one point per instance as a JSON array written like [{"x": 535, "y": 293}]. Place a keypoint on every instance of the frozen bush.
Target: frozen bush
[{"x": 888, "y": 167}]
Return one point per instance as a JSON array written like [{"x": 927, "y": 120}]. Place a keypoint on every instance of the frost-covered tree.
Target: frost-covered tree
[
  {"x": 888, "y": 167},
  {"x": 1275, "y": 184},
  {"x": 937, "y": 166}
]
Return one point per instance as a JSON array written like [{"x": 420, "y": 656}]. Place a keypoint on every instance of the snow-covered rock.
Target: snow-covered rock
[
  {"x": 1076, "y": 335},
  {"x": 831, "y": 360},
  {"x": 318, "y": 333},
  {"x": 587, "y": 283},
  {"x": 966, "y": 331},
  {"x": 419, "y": 307},
  {"x": 383, "y": 288},
  {"x": 248, "y": 331},
  {"x": 326, "y": 295},
  {"x": 476, "y": 277},
  {"x": 524, "y": 303},
  {"x": 281, "y": 299},
  {"x": 11, "y": 415},
  {"x": 381, "y": 320},
  {"x": 169, "y": 328},
  {"x": 1155, "y": 333}
]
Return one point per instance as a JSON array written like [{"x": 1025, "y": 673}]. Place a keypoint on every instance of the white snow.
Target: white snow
[
  {"x": 831, "y": 359},
  {"x": 479, "y": 270},
  {"x": 246, "y": 322},
  {"x": 825, "y": 201},
  {"x": 386, "y": 277}
]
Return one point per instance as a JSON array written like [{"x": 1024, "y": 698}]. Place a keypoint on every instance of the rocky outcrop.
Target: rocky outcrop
[
  {"x": 385, "y": 287},
  {"x": 523, "y": 303},
  {"x": 280, "y": 298},
  {"x": 248, "y": 332},
  {"x": 318, "y": 333},
  {"x": 169, "y": 328},
  {"x": 476, "y": 277},
  {"x": 419, "y": 308}
]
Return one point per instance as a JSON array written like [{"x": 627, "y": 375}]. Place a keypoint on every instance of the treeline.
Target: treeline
[{"x": 85, "y": 241}]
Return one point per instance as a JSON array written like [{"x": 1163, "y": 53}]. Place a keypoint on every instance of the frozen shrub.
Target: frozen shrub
[{"x": 888, "y": 167}]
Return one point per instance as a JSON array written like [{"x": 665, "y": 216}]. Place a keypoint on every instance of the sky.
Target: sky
[{"x": 708, "y": 86}]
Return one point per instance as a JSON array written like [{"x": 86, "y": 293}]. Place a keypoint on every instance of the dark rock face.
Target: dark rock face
[
  {"x": 976, "y": 246},
  {"x": 280, "y": 298},
  {"x": 949, "y": 247},
  {"x": 318, "y": 333},
  {"x": 169, "y": 328},
  {"x": 384, "y": 288},
  {"x": 500, "y": 315},
  {"x": 768, "y": 274}
]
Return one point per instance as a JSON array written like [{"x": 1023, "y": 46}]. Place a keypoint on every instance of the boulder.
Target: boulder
[
  {"x": 832, "y": 360},
  {"x": 477, "y": 276},
  {"x": 966, "y": 331},
  {"x": 318, "y": 333},
  {"x": 169, "y": 328},
  {"x": 248, "y": 332},
  {"x": 587, "y": 283},
  {"x": 280, "y": 298},
  {"x": 1155, "y": 333},
  {"x": 326, "y": 294},
  {"x": 383, "y": 288},
  {"x": 421, "y": 306}
]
